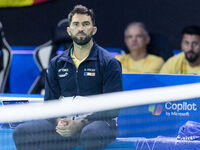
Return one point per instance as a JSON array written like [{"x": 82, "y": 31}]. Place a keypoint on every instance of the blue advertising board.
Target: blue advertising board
[{"x": 163, "y": 119}]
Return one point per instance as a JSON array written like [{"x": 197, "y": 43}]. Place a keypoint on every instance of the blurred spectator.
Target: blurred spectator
[
  {"x": 187, "y": 62},
  {"x": 138, "y": 60}
]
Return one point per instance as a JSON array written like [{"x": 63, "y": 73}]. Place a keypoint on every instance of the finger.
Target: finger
[
  {"x": 64, "y": 134},
  {"x": 63, "y": 131},
  {"x": 60, "y": 127}
]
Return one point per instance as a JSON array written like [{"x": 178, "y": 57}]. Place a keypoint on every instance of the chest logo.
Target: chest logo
[
  {"x": 62, "y": 72},
  {"x": 89, "y": 72}
]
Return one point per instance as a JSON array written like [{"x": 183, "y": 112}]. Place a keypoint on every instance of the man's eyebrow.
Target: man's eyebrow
[
  {"x": 128, "y": 35},
  {"x": 81, "y": 22},
  {"x": 75, "y": 22},
  {"x": 85, "y": 21}
]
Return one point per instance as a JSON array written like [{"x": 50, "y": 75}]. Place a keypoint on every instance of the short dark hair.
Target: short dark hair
[
  {"x": 193, "y": 30},
  {"x": 80, "y": 9}
]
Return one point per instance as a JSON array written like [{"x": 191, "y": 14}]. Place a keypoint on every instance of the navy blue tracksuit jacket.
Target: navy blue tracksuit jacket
[{"x": 99, "y": 73}]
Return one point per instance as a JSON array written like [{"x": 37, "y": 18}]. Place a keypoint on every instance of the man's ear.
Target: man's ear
[
  {"x": 148, "y": 39},
  {"x": 68, "y": 31},
  {"x": 94, "y": 30}
]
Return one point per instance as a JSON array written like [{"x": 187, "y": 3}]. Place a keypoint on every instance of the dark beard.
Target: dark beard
[
  {"x": 192, "y": 59},
  {"x": 81, "y": 41}
]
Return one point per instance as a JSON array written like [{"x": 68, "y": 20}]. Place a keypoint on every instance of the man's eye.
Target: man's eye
[
  {"x": 75, "y": 24},
  {"x": 86, "y": 24},
  {"x": 186, "y": 43},
  {"x": 128, "y": 36},
  {"x": 195, "y": 44},
  {"x": 139, "y": 36}
]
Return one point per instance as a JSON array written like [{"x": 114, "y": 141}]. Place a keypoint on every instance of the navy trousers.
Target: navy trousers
[{"x": 41, "y": 135}]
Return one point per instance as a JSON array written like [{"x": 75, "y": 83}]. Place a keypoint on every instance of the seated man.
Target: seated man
[
  {"x": 187, "y": 62},
  {"x": 83, "y": 69},
  {"x": 138, "y": 60}
]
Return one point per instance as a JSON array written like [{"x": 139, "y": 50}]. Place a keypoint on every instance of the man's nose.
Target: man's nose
[
  {"x": 134, "y": 38},
  {"x": 80, "y": 28},
  {"x": 190, "y": 47}
]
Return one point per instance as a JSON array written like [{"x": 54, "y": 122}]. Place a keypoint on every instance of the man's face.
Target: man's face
[
  {"x": 191, "y": 46},
  {"x": 135, "y": 38},
  {"x": 81, "y": 29}
]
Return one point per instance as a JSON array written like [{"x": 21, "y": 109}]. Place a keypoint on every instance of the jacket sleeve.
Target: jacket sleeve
[
  {"x": 112, "y": 78},
  {"x": 52, "y": 89},
  {"x": 112, "y": 82}
]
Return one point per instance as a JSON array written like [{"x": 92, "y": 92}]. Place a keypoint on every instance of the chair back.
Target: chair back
[{"x": 6, "y": 58}]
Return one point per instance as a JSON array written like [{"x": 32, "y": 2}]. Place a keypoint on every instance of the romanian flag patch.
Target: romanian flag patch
[{"x": 89, "y": 74}]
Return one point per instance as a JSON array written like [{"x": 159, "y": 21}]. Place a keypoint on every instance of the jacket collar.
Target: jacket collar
[{"x": 92, "y": 56}]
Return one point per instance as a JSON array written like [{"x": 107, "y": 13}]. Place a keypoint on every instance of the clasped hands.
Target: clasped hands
[{"x": 66, "y": 126}]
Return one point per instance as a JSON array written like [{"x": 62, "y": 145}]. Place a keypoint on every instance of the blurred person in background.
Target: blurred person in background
[
  {"x": 187, "y": 62},
  {"x": 138, "y": 60}
]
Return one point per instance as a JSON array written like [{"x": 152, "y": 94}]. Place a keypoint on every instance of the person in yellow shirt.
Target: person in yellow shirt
[
  {"x": 187, "y": 62},
  {"x": 138, "y": 60}
]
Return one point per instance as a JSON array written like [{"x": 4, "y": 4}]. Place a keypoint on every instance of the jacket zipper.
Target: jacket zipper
[{"x": 77, "y": 85}]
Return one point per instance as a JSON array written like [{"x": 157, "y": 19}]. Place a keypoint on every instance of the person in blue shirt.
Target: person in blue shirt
[{"x": 82, "y": 70}]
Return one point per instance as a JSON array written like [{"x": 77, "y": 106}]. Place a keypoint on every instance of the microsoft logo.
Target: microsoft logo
[{"x": 155, "y": 109}]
